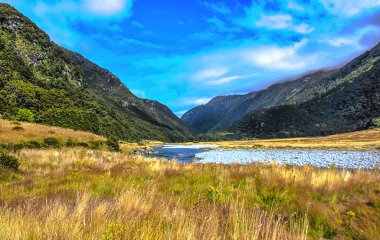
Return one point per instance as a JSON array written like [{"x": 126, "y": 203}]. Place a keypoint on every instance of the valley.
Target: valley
[{"x": 82, "y": 156}]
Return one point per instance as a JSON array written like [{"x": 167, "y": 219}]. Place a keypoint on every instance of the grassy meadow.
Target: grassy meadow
[
  {"x": 83, "y": 193},
  {"x": 21, "y": 132},
  {"x": 360, "y": 140}
]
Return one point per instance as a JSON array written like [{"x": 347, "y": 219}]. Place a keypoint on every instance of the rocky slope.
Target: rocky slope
[{"x": 63, "y": 88}]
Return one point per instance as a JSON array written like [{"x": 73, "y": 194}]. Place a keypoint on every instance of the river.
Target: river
[{"x": 318, "y": 158}]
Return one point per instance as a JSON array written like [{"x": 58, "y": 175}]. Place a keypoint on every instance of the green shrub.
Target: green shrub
[
  {"x": 376, "y": 122},
  {"x": 82, "y": 144},
  {"x": 95, "y": 144},
  {"x": 113, "y": 144},
  {"x": 70, "y": 143},
  {"x": 33, "y": 144},
  {"x": 52, "y": 142},
  {"x": 8, "y": 161},
  {"x": 18, "y": 128},
  {"x": 25, "y": 115}
]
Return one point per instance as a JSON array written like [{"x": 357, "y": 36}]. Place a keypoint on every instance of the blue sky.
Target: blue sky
[{"x": 182, "y": 53}]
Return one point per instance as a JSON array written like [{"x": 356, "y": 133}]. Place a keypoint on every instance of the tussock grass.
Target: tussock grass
[
  {"x": 90, "y": 194},
  {"x": 361, "y": 140},
  {"x": 38, "y": 132}
]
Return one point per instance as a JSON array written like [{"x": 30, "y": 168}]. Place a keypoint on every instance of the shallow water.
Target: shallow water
[
  {"x": 318, "y": 158},
  {"x": 182, "y": 153}
]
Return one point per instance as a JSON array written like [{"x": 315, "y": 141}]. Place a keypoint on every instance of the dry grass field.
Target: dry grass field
[
  {"x": 90, "y": 194},
  {"x": 361, "y": 140},
  {"x": 79, "y": 193},
  {"x": 10, "y": 132}
]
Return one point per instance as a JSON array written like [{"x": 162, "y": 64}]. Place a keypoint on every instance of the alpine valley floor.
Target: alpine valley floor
[{"x": 81, "y": 192}]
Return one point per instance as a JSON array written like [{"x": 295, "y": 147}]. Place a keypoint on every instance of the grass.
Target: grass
[
  {"x": 361, "y": 140},
  {"x": 79, "y": 193},
  {"x": 21, "y": 132},
  {"x": 140, "y": 147},
  {"x": 75, "y": 193}
]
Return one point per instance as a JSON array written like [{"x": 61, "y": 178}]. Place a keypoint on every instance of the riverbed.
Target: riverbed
[{"x": 318, "y": 158}]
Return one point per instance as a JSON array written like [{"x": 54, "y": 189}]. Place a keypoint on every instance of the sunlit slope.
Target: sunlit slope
[
  {"x": 20, "y": 132},
  {"x": 360, "y": 140}
]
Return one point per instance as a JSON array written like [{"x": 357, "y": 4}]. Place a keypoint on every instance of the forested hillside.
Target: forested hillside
[{"x": 45, "y": 83}]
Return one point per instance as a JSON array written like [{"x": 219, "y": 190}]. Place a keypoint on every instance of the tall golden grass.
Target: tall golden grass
[
  {"x": 361, "y": 140},
  {"x": 37, "y": 132},
  {"x": 90, "y": 194},
  {"x": 131, "y": 213}
]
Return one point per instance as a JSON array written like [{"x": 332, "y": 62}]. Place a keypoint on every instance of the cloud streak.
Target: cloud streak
[
  {"x": 227, "y": 80},
  {"x": 283, "y": 21},
  {"x": 349, "y": 7}
]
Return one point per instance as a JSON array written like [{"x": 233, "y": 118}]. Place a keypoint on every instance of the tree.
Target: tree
[{"x": 25, "y": 115}]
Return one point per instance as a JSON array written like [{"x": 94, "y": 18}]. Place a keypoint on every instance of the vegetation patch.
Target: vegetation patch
[
  {"x": 8, "y": 161},
  {"x": 18, "y": 128},
  {"x": 25, "y": 115}
]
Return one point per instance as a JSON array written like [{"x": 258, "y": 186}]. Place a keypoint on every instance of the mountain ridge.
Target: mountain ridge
[
  {"x": 213, "y": 117},
  {"x": 242, "y": 104}
]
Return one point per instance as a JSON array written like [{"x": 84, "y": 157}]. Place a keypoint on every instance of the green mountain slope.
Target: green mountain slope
[
  {"x": 223, "y": 111},
  {"x": 63, "y": 88},
  {"x": 350, "y": 102},
  {"x": 249, "y": 114}
]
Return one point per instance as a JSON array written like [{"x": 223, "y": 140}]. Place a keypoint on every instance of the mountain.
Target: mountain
[
  {"x": 223, "y": 111},
  {"x": 65, "y": 89},
  {"x": 321, "y": 103}
]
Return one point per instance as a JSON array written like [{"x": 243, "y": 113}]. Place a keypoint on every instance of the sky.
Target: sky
[{"x": 184, "y": 52}]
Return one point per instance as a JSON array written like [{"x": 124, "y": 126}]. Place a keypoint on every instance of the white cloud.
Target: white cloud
[
  {"x": 138, "y": 93},
  {"x": 349, "y": 7},
  {"x": 195, "y": 101},
  {"x": 106, "y": 7},
  {"x": 131, "y": 41},
  {"x": 283, "y": 21},
  {"x": 210, "y": 73},
  {"x": 341, "y": 41},
  {"x": 180, "y": 113},
  {"x": 355, "y": 39},
  {"x": 302, "y": 28},
  {"x": 294, "y": 6},
  {"x": 278, "y": 58},
  {"x": 85, "y": 9},
  {"x": 226, "y": 80}
]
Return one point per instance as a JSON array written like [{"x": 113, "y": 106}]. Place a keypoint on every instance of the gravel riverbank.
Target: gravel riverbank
[{"x": 318, "y": 158}]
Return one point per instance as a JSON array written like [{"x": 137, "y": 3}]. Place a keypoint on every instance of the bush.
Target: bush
[
  {"x": 113, "y": 144},
  {"x": 18, "y": 128},
  {"x": 95, "y": 144},
  {"x": 8, "y": 161},
  {"x": 82, "y": 144},
  {"x": 52, "y": 142},
  {"x": 32, "y": 144},
  {"x": 70, "y": 143},
  {"x": 376, "y": 122},
  {"x": 25, "y": 115}
]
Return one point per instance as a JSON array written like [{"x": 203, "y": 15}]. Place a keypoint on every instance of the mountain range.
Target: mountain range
[
  {"x": 62, "y": 88},
  {"x": 321, "y": 103}
]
